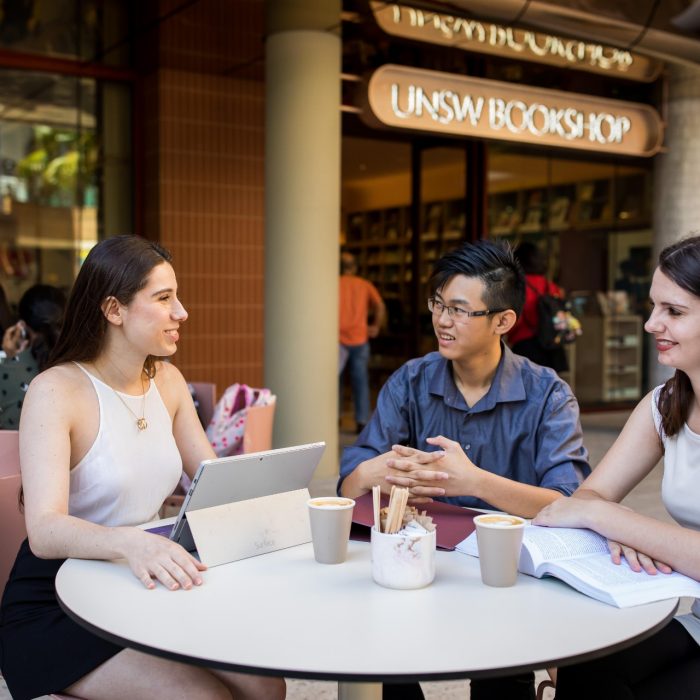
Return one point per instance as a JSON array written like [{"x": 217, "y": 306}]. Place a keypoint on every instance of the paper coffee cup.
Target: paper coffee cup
[
  {"x": 331, "y": 518},
  {"x": 499, "y": 537},
  {"x": 403, "y": 561}
]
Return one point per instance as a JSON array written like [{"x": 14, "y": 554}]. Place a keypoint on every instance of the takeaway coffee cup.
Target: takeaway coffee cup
[
  {"x": 499, "y": 537},
  {"x": 403, "y": 560},
  {"x": 331, "y": 518}
]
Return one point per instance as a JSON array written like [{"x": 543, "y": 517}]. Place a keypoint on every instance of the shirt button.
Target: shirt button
[{"x": 467, "y": 446}]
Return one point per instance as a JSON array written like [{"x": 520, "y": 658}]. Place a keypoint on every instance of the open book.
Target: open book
[{"x": 581, "y": 558}]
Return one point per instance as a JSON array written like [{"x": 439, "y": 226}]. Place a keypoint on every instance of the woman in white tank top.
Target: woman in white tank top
[
  {"x": 117, "y": 426},
  {"x": 665, "y": 424}
]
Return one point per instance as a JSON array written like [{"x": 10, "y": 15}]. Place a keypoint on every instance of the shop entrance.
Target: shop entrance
[{"x": 591, "y": 219}]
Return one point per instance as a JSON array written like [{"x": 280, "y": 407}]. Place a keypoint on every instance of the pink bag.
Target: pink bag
[{"x": 225, "y": 431}]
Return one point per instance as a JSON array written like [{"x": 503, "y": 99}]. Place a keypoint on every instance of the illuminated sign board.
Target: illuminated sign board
[
  {"x": 411, "y": 98},
  {"x": 511, "y": 42}
]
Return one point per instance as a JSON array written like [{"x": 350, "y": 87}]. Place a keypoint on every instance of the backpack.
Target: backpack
[
  {"x": 557, "y": 326},
  {"x": 227, "y": 425},
  {"x": 225, "y": 430}
]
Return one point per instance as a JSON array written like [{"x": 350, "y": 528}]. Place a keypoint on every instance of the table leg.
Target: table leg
[{"x": 359, "y": 691}]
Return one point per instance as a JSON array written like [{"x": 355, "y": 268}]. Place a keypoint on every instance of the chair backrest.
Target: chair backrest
[
  {"x": 205, "y": 393},
  {"x": 257, "y": 434},
  {"x": 11, "y": 520}
]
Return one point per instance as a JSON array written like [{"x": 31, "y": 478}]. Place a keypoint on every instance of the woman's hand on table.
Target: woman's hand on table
[
  {"x": 155, "y": 557},
  {"x": 567, "y": 512},
  {"x": 636, "y": 560},
  {"x": 584, "y": 513}
]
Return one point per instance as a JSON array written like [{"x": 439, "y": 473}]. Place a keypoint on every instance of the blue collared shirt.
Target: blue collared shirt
[{"x": 526, "y": 427}]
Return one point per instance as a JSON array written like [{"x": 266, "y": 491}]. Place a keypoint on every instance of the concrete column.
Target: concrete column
[
  {"x": 302, "y": 210},
  {"x": 676, "y": 202}
]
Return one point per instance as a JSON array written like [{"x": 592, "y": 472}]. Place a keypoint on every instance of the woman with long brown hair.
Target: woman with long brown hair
[
  {"x": 666, "y": 424},
  {"x": 105, "y": 433}
]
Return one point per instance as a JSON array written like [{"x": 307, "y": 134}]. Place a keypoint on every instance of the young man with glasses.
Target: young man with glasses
[{"x": 473, "y": 424}]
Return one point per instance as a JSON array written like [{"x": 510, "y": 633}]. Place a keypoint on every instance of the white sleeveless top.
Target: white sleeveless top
[
  {"x": 127, "y": 473},
  {"x": 680, "y": 488}
]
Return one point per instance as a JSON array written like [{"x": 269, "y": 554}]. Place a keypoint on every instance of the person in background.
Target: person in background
[
  {"x": 359, "y": 301},
  {"x": 27, "y": 345},
  {"x": 472, "y": 424},
  {"x": 523, "y": 337},
  {"x": 106, "y": 431},
  {"x": 664, "y": 425}
]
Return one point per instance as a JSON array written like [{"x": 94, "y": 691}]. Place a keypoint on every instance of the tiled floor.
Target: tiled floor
[{"x": 600, "y": 430}]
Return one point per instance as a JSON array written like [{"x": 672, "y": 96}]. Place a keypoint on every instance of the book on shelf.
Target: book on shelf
[
  {"x": 505, "y": 221},
  {"x": 534, "y": 210},
  {"x": 559, "y": 212},
  {"x": 614, "y": 302},
  {"x": 585, "y": 191},
  {"x": 581, "y": 558},
  {"x": 533, "y": 218}
]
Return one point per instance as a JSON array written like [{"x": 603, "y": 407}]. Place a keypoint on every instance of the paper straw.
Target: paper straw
[{"x": 376, "y": 492}]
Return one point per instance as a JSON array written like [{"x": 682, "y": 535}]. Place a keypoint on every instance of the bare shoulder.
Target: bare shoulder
[
  {"x": 171, "y": 384},
  {"x": 647, "y": 399},
  {"x": 167, "y": 374},
  {"x": 640, "y": 432},
  {"x": 642, "y": 412},
  {"x": 59, "y": 396},
  {"x": 62, "y": 380}
]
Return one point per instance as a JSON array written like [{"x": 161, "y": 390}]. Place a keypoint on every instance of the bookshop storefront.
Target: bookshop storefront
[{"x": 461, "y": 129}]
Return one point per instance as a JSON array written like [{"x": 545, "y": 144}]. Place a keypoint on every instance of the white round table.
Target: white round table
[{"x": 284, "y": 614}]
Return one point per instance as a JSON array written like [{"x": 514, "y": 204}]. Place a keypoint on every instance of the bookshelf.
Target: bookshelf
[
  {"x": 609, "y": 364},
  {"x": 602, "y": 203}
]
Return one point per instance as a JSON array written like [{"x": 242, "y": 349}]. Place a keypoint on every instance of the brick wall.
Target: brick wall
[{"x": 203, "y": 133}]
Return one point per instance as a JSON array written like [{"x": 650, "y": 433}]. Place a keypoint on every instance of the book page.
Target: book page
[
  {"x": 469, "y": 545},
  {"x": 557, "y": 543},
  {"x": 597, "y": 573}
]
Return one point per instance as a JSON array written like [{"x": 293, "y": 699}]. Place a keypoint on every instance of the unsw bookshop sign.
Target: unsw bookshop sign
[{"x": 423, "y": 100}]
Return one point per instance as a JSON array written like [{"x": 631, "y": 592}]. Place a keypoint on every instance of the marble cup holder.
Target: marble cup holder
[{"x": 403, "y": 561}]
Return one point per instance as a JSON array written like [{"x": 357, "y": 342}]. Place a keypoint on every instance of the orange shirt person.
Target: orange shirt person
[{"x": 359, "y": 302}]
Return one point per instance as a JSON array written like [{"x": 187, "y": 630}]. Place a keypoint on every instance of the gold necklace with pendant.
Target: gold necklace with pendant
[{"x": 141, "y": 423}]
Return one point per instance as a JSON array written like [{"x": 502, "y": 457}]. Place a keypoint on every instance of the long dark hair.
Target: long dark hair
[
  {"x": 680, "y": 262},
  {"x": 116, "y": 267},
  {"x": 41, "y": 308}
]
